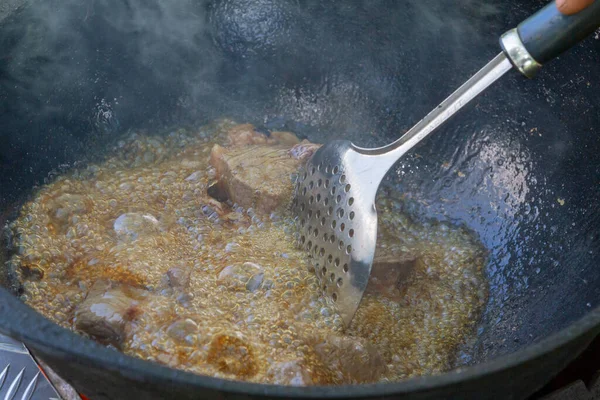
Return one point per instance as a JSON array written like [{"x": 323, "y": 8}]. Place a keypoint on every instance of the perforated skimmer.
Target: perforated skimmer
[
  {"x": 334, "y": 199},
  {"x": 335, "y": 192}
]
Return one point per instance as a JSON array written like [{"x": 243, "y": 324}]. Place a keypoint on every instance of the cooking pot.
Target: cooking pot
[{"x": 520, "y": 167}]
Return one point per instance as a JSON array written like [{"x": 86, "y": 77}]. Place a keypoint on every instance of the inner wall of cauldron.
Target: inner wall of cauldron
[{"x": 520, "y": 167}]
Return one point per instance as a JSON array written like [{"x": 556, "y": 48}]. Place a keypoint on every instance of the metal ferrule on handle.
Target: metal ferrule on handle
[
  {"x": 547, "y": 34},
  {"x": 541, "y": 37}
]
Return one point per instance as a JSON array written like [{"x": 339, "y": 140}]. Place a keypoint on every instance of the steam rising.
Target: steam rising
[
  {"x": 101, "y": 46},
  {"x": 72, "y": 68}
]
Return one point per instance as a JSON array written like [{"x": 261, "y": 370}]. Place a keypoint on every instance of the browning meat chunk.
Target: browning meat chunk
[
  {"x": 106, "y": 311},
  {"x": 255, "y": 176},
  {"x": 255, "y": 170},
  {"x": 244, "y": 135},
  {"x": 390, "y": 269},
  {"x": 303, "y": 150},
  {"x": 285, "y": 138}
]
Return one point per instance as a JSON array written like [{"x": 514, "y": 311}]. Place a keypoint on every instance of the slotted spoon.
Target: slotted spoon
[{"x": 334, "y": 200}]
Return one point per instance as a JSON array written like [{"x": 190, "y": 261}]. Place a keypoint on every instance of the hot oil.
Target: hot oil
[
  {"x": 439, "y": 300},
  {"x": 220, "y": 290}
]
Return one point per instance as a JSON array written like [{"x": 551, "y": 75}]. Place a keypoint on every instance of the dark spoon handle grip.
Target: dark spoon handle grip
[{"x": 548, "y": 33}]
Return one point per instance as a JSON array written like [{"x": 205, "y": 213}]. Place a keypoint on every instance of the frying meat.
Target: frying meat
[
  {"x": 106, "y": 311},
  {"x": 390, "y": 269},
  {"x": 255, "y": 174},
  {"x": 179, "y": 248},
  {"x": 245, "y": 134}
]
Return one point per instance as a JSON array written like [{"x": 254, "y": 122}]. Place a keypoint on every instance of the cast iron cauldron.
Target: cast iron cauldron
[{"x": 74, "y": 75}]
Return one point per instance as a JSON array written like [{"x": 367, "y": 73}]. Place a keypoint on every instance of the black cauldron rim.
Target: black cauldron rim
[{"x": 23, "y": 323}]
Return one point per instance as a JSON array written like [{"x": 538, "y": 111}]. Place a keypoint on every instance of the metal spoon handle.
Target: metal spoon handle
[
  {"x": 388, "y": 155},
  {"x": 541, "y": 37}
]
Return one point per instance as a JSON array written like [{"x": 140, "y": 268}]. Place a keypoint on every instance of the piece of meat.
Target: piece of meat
[
  {"x": 255, "y": 171},
  {"x": 284, "y": 138},
  {"x": 244, "y": 135},
  {"x": 106, "y": 310},
  {"x": 356, "y": 359},
  {"x": 257, "y": 176},
  {"x": 303, "y": 151},
  {"x": 390, "y": 269}
]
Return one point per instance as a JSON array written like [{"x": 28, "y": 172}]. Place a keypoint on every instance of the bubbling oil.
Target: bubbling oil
[{"x": 223, "y": 291}]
